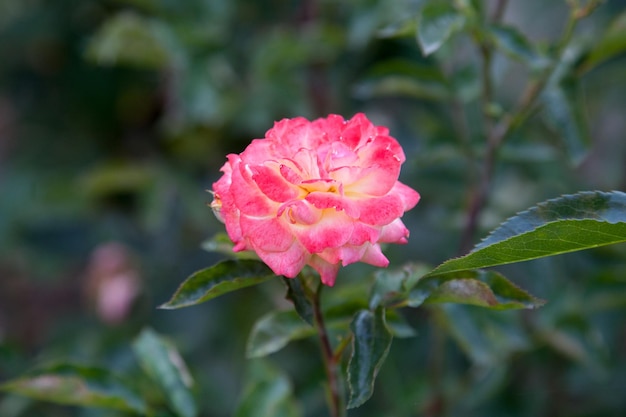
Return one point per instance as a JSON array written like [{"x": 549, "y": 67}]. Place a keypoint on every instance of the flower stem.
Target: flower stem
[{"x": 331, "y": 362}]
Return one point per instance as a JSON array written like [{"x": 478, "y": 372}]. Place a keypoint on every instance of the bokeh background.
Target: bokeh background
[{"x": 115, "y": 117}]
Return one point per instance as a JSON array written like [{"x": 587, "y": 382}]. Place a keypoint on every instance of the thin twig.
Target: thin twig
[{"x": 498, "y": 133}]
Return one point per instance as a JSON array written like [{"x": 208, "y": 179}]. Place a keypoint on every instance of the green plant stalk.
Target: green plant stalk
[{"x": 331, "y": 362}]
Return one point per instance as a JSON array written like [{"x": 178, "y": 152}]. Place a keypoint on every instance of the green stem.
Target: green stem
[{"x": 331, "y": 362}]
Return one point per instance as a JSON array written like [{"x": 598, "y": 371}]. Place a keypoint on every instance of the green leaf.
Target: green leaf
[
  {"x": 488, "y": 337},
  {"x": 476, "y": 287},
  {"x": 268, "y": 393},
  {"x": 436, "y": 23},
  {"x": 219, "y": 279},
  {"x": 296, "y": 292},
  {"x": 274, "y": 331},
  {"x": 162, "y": 362},
  {"x": 129, "y": 39},
  {"x": 515, "y": 45},
  {"x": 611, "y": 43},
  {"x": 565, "y": 224},
  {"x": 392, "y": 286},
  {"x": 77, "y": 385},
  {"x": 370, "y": 345},
  {"x": 564, "y": 112},
  {"x": 404, "y": 78}
]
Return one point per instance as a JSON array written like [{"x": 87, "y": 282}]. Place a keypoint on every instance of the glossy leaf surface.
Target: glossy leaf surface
[
  {"x": 565, "y": 224},
  {"x": 219, "y": 279},
  {"x": 371, "y": 343}
]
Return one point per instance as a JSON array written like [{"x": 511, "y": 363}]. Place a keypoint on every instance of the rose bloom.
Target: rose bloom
[{"x": 320, "y": 193}]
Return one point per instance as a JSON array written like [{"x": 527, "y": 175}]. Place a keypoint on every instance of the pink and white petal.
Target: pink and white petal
[
  {"x": 323, "y": 200},
  {"x": 300, "y": 212},
  {"x": 327, "y": 271},
  {"x": 364, "y": 233},
  {"x": 273, "y": 184},
  {"x": 351, "y": 254},
  {"x": 290, "y": 171},
  {"x": 258, "y": 152},
  {"x": 382, "y": 210},
  {"x": 374, "y": 256},
  {"x": 269, "y": 234},
  {"x": 409, "y": 196},
  {"x": 394, "y": 232},
  {"x": 358, "y": 130},
  {"x": 333, "y": 230},
  {"x": 376, "y": 179},
  {"x": 288, "y": 263},
  {"x": 246, "y": 194}
]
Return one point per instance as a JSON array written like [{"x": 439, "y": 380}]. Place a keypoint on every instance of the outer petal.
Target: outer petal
[
  {"x": 409, "y": 196},
  {"x": 381, "y": 211},
  {"x": 333, "y": 230},
  {"x": 327, "y": 271},
  {"x": 268, "y": 234},
  {"x": 374, "y": 256},
  {"x": 288, "y": 263},
  {"x": 246, "y": 194},
  {"x": 394, "y": 232}
]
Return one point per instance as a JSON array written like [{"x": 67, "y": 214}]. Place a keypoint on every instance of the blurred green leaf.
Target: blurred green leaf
[
  {"x": 611, "y": 43},
  {"x": 274, "y": 331},
  {"x": 218, "y": 279},
  {"x": 516, "y": 45},
  {"x": 268, "y": 393},
  {"x": 130, "y": 39},
  {"x": 398, "y": 325},
  {"x": 436, "y": 23},
  {"x": 564, "y": 112},
  {"x": 296, "y": 293},
  {"x": 565, "y": 224},
  {"x": 370, "y": 345},
  {"x": 162, "y": 362},
  {"x": 409, "y": 287},
  {"x": 477, "y": 287},
  {"x": 392, "y": 286},
  {"x": 487, "y": 337},
  {"x": 77, "y": 385}
]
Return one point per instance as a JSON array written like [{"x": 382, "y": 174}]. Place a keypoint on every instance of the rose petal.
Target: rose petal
[
  {"x": 322, "y": 200},
  {"x": 273, "y": 184},
  {"x": 333, "y": 230},
  {"x": 374, "y": 256},
  {"x": 288, "y": 263},
  {"x": 409, "y": 196},
  {"x": 269, "y": 235},
  {"x": 246, "y": 194},
  {"x": 380, "y": 211},
  {"x": 327, "y": 271},
  {"x": 394, "y": 232}
]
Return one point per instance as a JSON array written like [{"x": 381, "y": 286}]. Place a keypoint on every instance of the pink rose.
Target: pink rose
[{"x": 316, "y": 193}]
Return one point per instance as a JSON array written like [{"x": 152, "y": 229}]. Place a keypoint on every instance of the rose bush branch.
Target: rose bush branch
[{"x": 497, "y": 133}]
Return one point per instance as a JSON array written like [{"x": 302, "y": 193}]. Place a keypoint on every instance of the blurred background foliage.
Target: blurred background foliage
[{"x": 116, "y": 115}]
